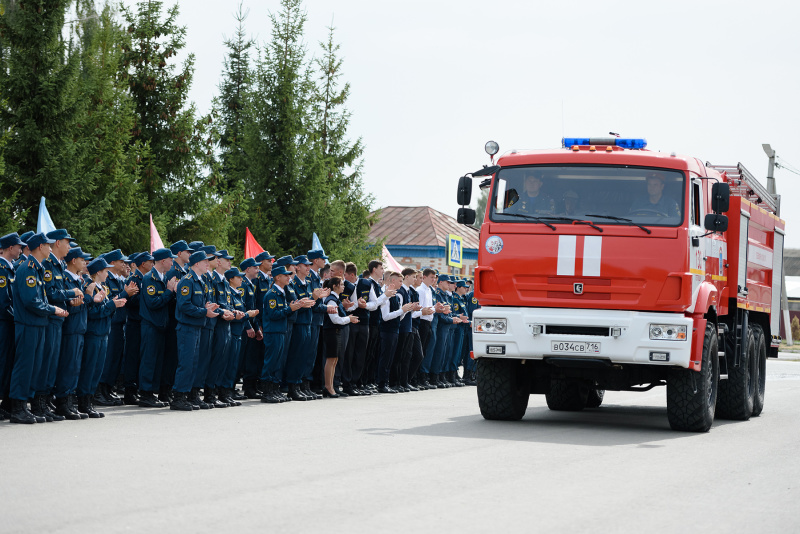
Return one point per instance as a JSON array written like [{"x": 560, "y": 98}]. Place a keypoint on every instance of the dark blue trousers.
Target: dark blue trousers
[
  {"x": 152, "y": 357},
  {"x": 440, "y": 350},
  {"x": 274, "y": 362},
  {"x": 29, "y": 353},
  {"x": 116, "y": 348},
  {"x": 46, "y": 380},
  {"x": 7, "y": 353},
  {"x": 69, "y": 364},
  {"x": 228, "y": 379},
  {"x": 188, "y": 355},
  {"x": 94, "y": 354},
  {"x": 219, "y": 354},
  {"x": 454, "y": 358},
  {"x": 388, "y": 346},
  {"x": 170, "y": 356},
  {"x": 204, "y": 358},
  {"x": 286, "y": 346},
  {"x": 253, "y": 357},
  {"x": 314, "y": 351},
  {"x": 300, "y": 351},
  {"x": 133, "y": 343},
  {"x": 430, "y": 347}
]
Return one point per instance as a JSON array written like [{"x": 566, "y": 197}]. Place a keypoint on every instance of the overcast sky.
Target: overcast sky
[{"x": 433, "y": 80}]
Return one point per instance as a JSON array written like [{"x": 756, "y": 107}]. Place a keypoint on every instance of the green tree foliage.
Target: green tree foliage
[{"x": 38, "y": 77}]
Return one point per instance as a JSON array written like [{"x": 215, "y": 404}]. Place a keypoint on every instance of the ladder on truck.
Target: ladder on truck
[{"x": 744, "y": 184}]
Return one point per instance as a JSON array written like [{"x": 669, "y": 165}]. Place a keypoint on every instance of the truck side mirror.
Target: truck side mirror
[
  {"x": 715, "y": 222},
  {"x": 467, "y": 216},
  {"x": 464, "y": 191},
  {"x": 720, "y": 197}
]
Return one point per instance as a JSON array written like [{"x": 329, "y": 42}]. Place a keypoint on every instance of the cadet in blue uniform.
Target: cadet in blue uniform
[
  {"x": 238, "y": 326},
  {"x": 314, "y": 372},
  {"x": 72, "y": 338},
  {"x": 277, "y": 308},
  {"x": 291, "y": 267},
  {"x": 222, "y": 331},
  {"x": 23, "y": 257},
  {"x": 116, "y": 283},
  {"x": 31, "y": 313},
  {"x": 180, "y": 266},
  {"x": 459, "y": 332},
  {"x": 470, "y": 376},
  {"x": 207, "y": 336},
  {"x": 301, "y": 350},
  {"x": 143, "y": 263},
  {"x": 253, "y": 344},
  {"x": 192, "y": 311},
  {"x": 96, "y": 340},
  {"x": 157, "y": 292},
  {"x": 10, "y": 249}
]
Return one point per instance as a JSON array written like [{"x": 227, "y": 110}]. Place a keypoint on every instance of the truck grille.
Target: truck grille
[{"x": 577, "y": 330}]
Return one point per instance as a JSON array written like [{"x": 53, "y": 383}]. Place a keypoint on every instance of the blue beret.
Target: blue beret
[
  {"x": 27, "y": 235},
  {"x": 76, "y": 253},
  {"x": 38, "y": 240},
  {"x": 97, "y": 265},
  {"x": 180, "y": 246},
  {"x": 264, "y": 256},
  {"x": 114, "y": 255},
  {"x": 279, "y": 270},
  {"x": 224, "y": 254},
  {"x": 196, "y": 245},
  {"x": 197, "y": 257},
  {"x": 301, "y": 259},
  {"x": 246, "y": 264},
  {"x": 315, "y": 254},
  {"x": 9, "y": 240},
  {"x": 282, "y": 261},
  {"x": 233, "y": 271},
  {"x": 143, "y": 257},
  {"x": 55, "y": 235},
  {"x": 162, "y": 254}
]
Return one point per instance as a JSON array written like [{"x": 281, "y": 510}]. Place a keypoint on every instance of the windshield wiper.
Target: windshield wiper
[
  {"x": 622, "y": 219},
  {"x": 574, "y": 221},
  {"x": 529, "y": 217}
]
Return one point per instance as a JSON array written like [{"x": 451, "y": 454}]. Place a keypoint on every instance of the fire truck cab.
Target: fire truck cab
[{"x": 606, "y": 266}]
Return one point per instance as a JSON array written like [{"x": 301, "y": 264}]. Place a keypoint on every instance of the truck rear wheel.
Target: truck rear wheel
[
  {"x": 761, "y": 368},
  {"x": 692, "y": 395},
  {"x": 595, "y": 398},
  {"x": 502, "y": 389},
  {"x": 567, "y": 395},
  {"x": 737, "y": 393}
]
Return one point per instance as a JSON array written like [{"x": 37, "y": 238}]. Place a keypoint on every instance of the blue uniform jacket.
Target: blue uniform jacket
[
  {"x": 319, "y": 310},
  {"x": 276, "y": 311},
  {"x": 32, "y": 307},
  {"x": 222, "y": 292},
  {"x": 191, "y": 301},
  {"x": 100, "y": 313},
  {"x": 444, "y": 298},
  {"x": 153, "y": 302},
  {"x": 6, "y": 300},
  {"x": 208, "y": 282},
  {"x": 133, "y": 303},
  {"x": 237, "y": 303},
  {"x": 54, "y": 287},
  {"x": 472, "y": 303},
  {"x": 261, "y": 284},
  {"x": 301, "y": 291},
  {"x": 249, "y": 300},
  {"x": 117, "y": 289},
  {"x": 77, "y": 321}
]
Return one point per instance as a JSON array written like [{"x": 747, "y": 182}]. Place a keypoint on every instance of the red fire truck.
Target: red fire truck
[{"x": 607, "y": 266}]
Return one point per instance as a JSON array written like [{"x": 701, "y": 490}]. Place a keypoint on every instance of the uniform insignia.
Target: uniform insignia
[
  {"x": 229, "y": 299},
  {"x": 151, "y": 290},
  {"x": 48, "y": 276},
  {"x": 30, "y": 281},
  {"x": 106, "y": 289},
  {"x": 185, "y": 290},
  {"x": 273, "y": 304},
  {"x": 474, "y": 300},
  {"x": 3, "y": 281}
]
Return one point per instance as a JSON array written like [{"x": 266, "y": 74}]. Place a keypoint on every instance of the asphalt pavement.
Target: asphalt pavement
[{"x": 414, "y": 462}]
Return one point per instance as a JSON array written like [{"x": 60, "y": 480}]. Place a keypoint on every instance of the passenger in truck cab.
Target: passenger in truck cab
[
  {"x": 655, "y": 202},
  {"x": 531, "y": 201},
  {"x": 571, "y": 202}
]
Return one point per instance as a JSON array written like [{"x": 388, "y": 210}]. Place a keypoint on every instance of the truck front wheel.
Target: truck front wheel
[
  {"x": 567, "y": 395},
  {"x": 692, "y": 396},
  {"x": 503, "y": 391}
]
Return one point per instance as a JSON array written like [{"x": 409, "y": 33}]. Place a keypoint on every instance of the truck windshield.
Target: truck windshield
[{"x": 612, "y": 195}]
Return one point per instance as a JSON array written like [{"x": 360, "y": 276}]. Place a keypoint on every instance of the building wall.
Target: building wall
[{"x": 440, "y": 264}]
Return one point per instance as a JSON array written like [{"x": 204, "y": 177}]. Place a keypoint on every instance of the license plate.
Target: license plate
[{"x": 580, "y": 347}]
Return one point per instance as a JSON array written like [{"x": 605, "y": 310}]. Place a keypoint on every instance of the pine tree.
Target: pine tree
[{"x": 38, "y": 77}]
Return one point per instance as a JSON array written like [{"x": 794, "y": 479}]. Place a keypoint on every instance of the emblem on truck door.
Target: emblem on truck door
[{"x": 577, "y": 288}]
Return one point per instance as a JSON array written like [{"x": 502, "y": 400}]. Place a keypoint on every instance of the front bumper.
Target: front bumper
[{"x": 632, "y": 346}]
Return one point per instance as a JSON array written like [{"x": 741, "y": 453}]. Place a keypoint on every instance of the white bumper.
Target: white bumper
[{"x": 633, "y": 345}]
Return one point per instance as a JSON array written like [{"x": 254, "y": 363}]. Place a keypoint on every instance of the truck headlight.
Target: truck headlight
[
  {"x": 668, "y": 332},
  {"x": 490, "y": 326}
]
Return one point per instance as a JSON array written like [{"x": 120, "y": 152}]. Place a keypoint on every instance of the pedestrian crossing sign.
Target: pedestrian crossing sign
[{"x": 454, "y": 251}]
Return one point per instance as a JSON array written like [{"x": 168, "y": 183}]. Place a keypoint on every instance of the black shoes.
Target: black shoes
[
  {"x": 165, "y": 395},
  {"x": 329, "y": 395},
  {"x": 296, "y": 394},
  {"x": 181, "y": 403},
  {"x": 20, "y": 414},
  {"x": 148, "y": 400},
  {"x": 272, "y": 394},
  {"x": 86, "y": 406},
  {"x": 103, "y": 396},
  {"x": 211, "y": 398},
  {"x": 131, "y": 398},
  {"x": 386, "y": 389},
  {"x": 65, "y": 409}
]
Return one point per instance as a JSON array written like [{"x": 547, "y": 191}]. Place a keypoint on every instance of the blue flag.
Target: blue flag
[
  {"x": 315, "y": 244},
  {"x": 44, "y": 223}
]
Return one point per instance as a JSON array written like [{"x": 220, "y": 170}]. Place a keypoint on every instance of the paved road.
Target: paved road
[{"x": 419, "y": 462}]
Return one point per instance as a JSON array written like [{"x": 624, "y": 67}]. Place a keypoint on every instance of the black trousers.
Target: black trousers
[
  {"x": 424, "y": 334},
  {"x": 417, "y": 354},
  {"x": 373, "y": 353},
  {"x": 345, "y": 335},
  {"x": 401, "y": 361},
  {"x": 355, "y": 354},
  {"x": 388, "y": 346}
]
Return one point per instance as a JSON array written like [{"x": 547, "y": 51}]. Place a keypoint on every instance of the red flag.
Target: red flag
[
  {"x": 251, "y": 246},
  {"x": 155, "y": 239}
]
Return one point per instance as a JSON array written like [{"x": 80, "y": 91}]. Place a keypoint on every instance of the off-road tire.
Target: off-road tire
[
  {"x": 502, "y": 389},
  {"x": 761, "y": 367},
  {"x": 567, "y": 395},
  {"x": 737, "y": 393},
  {"x": 692, "y": 395},
  {"x": 595, "y": 398}
]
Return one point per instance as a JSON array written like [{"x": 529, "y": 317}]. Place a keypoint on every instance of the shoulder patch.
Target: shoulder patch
[
  {"x": 151, "y": 290},
  {"x": 185, "y": 290},
  {"x": 474, "y": 300},
  {"x": 273, "y": 304},
  {"x": 30, "y": 281},
  {"x": 48, "y": 276},
  {"x": 3, "y": 281}
]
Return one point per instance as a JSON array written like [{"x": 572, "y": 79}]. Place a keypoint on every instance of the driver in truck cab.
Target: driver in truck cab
[
  {"x": 655, "y": 203},
  {"x": 531, "y": 200}
]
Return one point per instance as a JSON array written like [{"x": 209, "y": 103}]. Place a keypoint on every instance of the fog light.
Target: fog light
[{"x": 490, "y": 326}]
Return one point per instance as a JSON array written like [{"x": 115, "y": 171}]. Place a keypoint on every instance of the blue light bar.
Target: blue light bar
[{"x": 629, "y": 143}]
